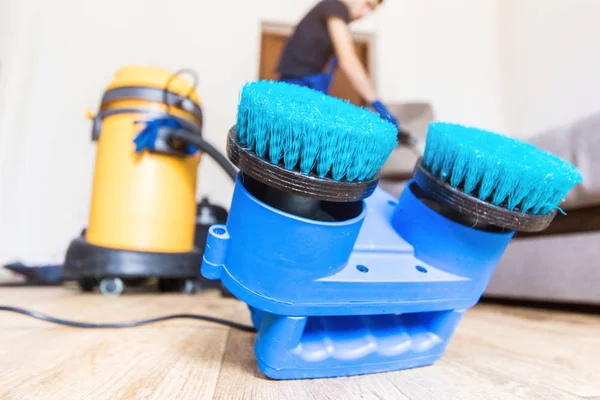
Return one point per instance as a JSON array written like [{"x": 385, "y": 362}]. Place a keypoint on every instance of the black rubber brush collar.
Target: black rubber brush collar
[
  {"x": 295, "y": 182},
  {"x": 473, "y": 211}
]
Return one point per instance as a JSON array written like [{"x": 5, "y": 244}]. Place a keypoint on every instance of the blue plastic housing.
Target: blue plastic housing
[{"x": 382, "y": 291}]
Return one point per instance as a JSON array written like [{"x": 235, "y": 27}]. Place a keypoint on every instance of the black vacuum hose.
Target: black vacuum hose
[{"x": 205, "y": 147}]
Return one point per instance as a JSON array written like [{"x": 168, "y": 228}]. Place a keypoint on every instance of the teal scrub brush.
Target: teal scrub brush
[
  {"x": 308, "y": 147},
  {"x": 492, "y": 178},
  {"x": 311, "y": 132}
]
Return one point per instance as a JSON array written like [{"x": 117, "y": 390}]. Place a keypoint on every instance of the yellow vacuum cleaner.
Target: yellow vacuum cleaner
[{"x": 142, "y": 218}]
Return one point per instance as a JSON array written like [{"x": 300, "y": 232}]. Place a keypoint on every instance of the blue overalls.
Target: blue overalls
[{"x": 320, "y": 82}]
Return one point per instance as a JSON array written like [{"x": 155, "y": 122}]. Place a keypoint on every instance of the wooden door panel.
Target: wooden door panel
[{"x": 271, "y": 47}]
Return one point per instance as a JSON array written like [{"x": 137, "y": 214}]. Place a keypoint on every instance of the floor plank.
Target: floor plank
[
  {"x": 157, "y": 363},
  {"x": 554, "y": 349},
  {"x": 498, "y": 352}
]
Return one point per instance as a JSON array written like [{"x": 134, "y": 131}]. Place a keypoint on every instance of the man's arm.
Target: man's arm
[
  {"x": 348, "y": 59},
  {"x": 352, "y": 67}
]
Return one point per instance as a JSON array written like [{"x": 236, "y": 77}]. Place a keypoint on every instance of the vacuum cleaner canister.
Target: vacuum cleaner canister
[{"x": 143, "y": 209}]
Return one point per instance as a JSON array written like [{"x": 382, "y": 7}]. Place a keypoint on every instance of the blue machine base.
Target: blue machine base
[
  {"x": 349, "y": 345},
  {"x": 342, "y": 370},
  {"x": 379, "y": 291}
]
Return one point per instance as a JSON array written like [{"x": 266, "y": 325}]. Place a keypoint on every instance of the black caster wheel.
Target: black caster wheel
[
  {"x": 111, "y": 286},
  {"x": 87, "y": 284}
]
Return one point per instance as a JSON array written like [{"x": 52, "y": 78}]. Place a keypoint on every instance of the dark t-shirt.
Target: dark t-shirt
[{"x": 310, "y": 47}]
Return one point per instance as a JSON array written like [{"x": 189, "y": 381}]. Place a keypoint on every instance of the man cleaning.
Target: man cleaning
[{"x": 324, "y": 35}]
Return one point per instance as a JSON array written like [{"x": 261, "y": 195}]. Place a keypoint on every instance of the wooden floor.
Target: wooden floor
[{"x": 497, "y": 353}]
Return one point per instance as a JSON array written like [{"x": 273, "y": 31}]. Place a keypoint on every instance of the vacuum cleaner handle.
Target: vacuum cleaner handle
[
  {"x": 412, "y": 142},
  {"x": 405, "y": 138}
]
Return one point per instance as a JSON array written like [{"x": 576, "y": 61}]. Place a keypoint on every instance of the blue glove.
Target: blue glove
[{"x": 384, "y": 113}]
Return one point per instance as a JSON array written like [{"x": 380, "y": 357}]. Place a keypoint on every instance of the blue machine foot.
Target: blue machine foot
[
  {"x": 319, "y": 347},
  {"x": 381, "y": 290}
]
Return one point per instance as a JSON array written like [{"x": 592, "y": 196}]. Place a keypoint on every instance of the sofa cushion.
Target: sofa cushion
[{"x": 559, "y": 268}]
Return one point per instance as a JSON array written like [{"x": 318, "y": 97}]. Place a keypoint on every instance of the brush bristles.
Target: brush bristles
[
  {"x": 498, "y": 169},
  {"x": 308, "y": 131}
]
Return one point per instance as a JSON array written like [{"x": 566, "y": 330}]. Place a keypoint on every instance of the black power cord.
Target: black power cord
[
  {"x": 131, "y": 324},
  {"x": 205, "y": 147},
  {"x": 21, "y": 284}
]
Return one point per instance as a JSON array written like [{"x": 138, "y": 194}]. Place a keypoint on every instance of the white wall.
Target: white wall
[
  {"x": 70, "y": 49},
  {"x": 444, "y": 51},
  {"x": 18, "y": 34},
  {"x": 550, "y": 62}
]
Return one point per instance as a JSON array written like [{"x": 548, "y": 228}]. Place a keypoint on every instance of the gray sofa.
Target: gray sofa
[{"x": 561, "y": 264}]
